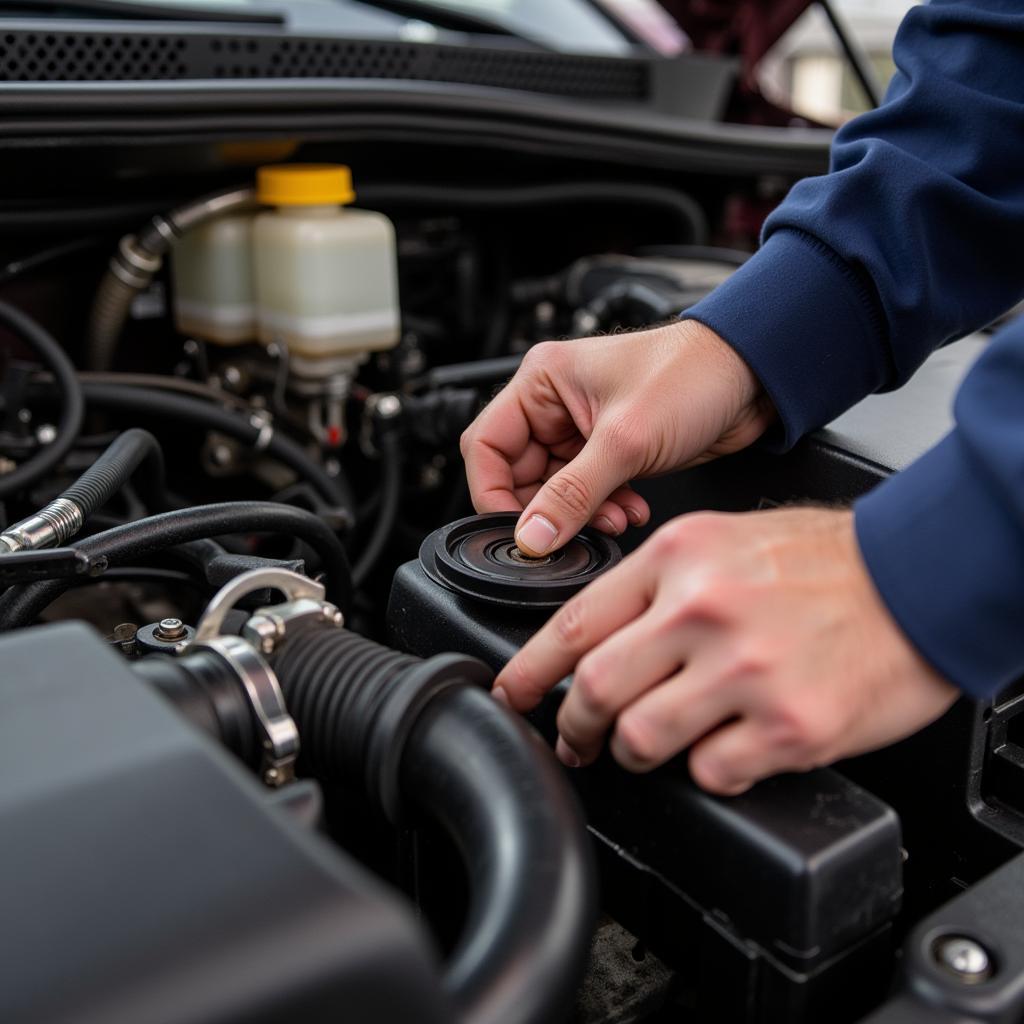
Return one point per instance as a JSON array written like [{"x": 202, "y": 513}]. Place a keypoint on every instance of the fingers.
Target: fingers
[
  {"x": 572, "y": 498},
  {"x": 613, "y": 675},
  {"x": 608, "y": 604},
  {"x": 731, "y": 759},
  {"x": 669, "y": 718}
]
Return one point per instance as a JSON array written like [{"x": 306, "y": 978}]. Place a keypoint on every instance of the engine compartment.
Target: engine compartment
[{"x": 246, "y": 468}]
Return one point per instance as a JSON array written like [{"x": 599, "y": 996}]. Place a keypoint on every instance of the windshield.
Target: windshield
[{"x": 566, "y": 25}]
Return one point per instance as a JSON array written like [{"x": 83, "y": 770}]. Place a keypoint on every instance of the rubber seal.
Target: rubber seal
[{"x": 478, "y": 557}]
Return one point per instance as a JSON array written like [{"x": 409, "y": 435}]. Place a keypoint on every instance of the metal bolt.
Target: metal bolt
[
  {"x": 963, "y": 957},
  {"x": 332, "y": 615},
  {"x": 46, "y": 433},
  {"x": 170, "y": 629},
  {"x": 232, "y": 376},
  {"x": 386, "y": 407}
]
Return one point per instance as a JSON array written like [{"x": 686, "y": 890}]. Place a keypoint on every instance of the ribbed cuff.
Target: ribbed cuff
[
  {"x": 806, "y": 325},
  {"x": 948, "y": 560}
]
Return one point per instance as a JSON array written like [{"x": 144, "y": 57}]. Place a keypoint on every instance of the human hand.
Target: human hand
[
  {"x": 758, "y": 640},
  {"x": 581, "y": 418}
]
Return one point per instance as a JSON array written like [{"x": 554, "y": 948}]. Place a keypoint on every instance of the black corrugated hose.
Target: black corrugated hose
[
  {"x": 418, "y": 737},
  {"x": 72, "y": 407},
  {"x": 20, "y": 605},
  {"x": 115, "y": 467}
]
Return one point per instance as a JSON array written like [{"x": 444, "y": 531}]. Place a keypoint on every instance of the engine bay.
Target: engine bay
[{"x": 249, "y": 618}]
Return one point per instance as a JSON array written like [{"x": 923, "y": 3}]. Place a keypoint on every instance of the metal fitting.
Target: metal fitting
[
  {"x": 132, "y": 265},
  {"x": 963, "y": 957},
  {"x": 265, "y": 629},
  {"x": 50, "y": 527}
]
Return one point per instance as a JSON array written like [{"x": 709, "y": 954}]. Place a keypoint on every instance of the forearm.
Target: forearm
[
  {"x": 909, "y": 242},
  {"x": 944, "y": 540}
]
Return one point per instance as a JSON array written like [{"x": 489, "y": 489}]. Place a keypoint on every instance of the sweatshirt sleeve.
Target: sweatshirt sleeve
[
  {"x": 944, "y": 540},
  {"x": 910, "y": 241}
]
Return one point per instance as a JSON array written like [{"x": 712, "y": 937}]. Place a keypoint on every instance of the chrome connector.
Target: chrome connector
[{"x": 50, "y": 527}]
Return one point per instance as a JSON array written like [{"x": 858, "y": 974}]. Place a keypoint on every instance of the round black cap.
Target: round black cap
[{"x": 478, "y": 557}]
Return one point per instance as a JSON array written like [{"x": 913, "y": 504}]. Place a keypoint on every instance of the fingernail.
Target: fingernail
[
  {"x": 604, "y": 524},
  {"x": 538, "y": 536},
  {"x": 566, "y": 754},
  {"x": 633, "y": 516},
  {"x": 499, "y": 694}
]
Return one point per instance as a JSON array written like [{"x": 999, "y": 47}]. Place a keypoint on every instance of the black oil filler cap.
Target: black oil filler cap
[{"x": 478, "y": 557}]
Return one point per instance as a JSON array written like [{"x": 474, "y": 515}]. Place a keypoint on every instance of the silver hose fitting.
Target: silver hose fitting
[{"x": 50, "y": 527}]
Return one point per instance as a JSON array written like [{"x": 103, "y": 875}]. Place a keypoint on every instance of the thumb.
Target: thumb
[{"x": 570, "y": 499}]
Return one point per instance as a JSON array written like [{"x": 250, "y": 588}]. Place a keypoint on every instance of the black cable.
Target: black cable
[
  {"x": 20, "y": 605},
  {"x": 387, "y": 514},
  {"x": 26, "y": 264},
  {"x": 209, "y": 416},
  {"x": 688, "y": 213},
  {"x": 50, "y": 353}
]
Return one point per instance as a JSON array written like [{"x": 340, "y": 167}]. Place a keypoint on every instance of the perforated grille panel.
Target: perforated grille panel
[{"x": 27, "y": 56}]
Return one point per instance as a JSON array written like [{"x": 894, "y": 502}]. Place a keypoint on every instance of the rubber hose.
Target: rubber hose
[
  {"x": 387, "y": 515},
  {"x": 110, "y": 309},
  {"x": 334, "y": 490},
  {"x": 66, "y": 515},
  {"x": 688, "y": 212},
  {"x": 20, "y": 605},
  {"x": 50, "y": 353},
  {"x": 138, "y": 259},
  {"x": 115, "y": 467},
  {"x": 414, "y": 736}
]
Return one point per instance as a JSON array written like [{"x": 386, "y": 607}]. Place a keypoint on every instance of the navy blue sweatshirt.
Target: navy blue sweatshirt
[{"x": 914, "y": 238}]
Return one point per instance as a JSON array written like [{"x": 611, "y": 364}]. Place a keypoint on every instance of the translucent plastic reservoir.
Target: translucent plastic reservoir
[
  {"x": 214, "y": 297},
  {"x": 326, "y": 274}
]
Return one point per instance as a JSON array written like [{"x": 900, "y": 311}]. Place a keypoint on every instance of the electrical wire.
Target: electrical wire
[{"x": 49, "y": 352}]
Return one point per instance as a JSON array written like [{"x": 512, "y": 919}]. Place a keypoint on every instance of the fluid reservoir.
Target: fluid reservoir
[
  {"x": 214, "y": 297},
  {"x": 326, "y": 274}
]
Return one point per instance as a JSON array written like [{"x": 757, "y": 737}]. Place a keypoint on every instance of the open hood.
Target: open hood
[{"x": 742, "y": 28}]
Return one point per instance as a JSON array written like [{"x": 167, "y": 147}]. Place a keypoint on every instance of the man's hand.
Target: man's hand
[
  {"x": 757, "y": 640},
  {"x": 582, "y": 418}
]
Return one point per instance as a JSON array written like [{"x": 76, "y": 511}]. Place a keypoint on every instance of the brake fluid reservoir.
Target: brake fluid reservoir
[
  {"x": 214, "y": 298},
  {"x": 326, "y": 275}
]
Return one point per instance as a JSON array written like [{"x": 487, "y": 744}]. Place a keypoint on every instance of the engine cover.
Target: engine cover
[{"x": 147, "y": 877}]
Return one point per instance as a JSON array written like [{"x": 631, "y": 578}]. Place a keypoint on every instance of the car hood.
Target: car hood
[{"x": 743, "y": 28}]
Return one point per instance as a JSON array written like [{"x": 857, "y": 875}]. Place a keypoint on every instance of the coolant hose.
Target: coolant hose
[
  {"x": 120, "y": 545},
  {"x": 420, "y": 739},
  {"x": 387, "y": 514},
  {"x": 65, "y": 515},
  {"x": 49, "y": 352},
  {"x": 137, "y": 261},
  {"x": 210, "y": 416}
]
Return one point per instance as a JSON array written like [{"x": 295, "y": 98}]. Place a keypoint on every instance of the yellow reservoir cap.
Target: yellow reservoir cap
[{"x": 304, "y": 185}]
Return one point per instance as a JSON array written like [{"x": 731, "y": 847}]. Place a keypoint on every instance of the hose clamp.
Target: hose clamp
[
  {"x": 266, "y": 628},
  {"x": 280, "y": 735}
]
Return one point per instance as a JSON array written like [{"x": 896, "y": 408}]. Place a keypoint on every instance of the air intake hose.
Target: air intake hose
[{"x": 421, "y": 739}]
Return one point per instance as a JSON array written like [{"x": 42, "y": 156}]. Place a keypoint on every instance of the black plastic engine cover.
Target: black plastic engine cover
[
  {"x": 777, "y": 904},
  {"x": 146, "y": 877}
]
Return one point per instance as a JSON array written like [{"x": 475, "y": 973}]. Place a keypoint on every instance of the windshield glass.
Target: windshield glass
[
  {"x": 806, "y": 71},
  {"x": 567, "y": 25}
]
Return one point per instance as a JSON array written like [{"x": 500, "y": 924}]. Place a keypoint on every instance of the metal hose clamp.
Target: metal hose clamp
[{"x": 304, "y": 602}]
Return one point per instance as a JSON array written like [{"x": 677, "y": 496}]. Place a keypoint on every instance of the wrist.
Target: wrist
[{"x": 749, "y": 398}]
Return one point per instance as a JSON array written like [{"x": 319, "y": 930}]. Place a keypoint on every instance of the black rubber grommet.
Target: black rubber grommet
[{"x": 478, "y": 557}]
